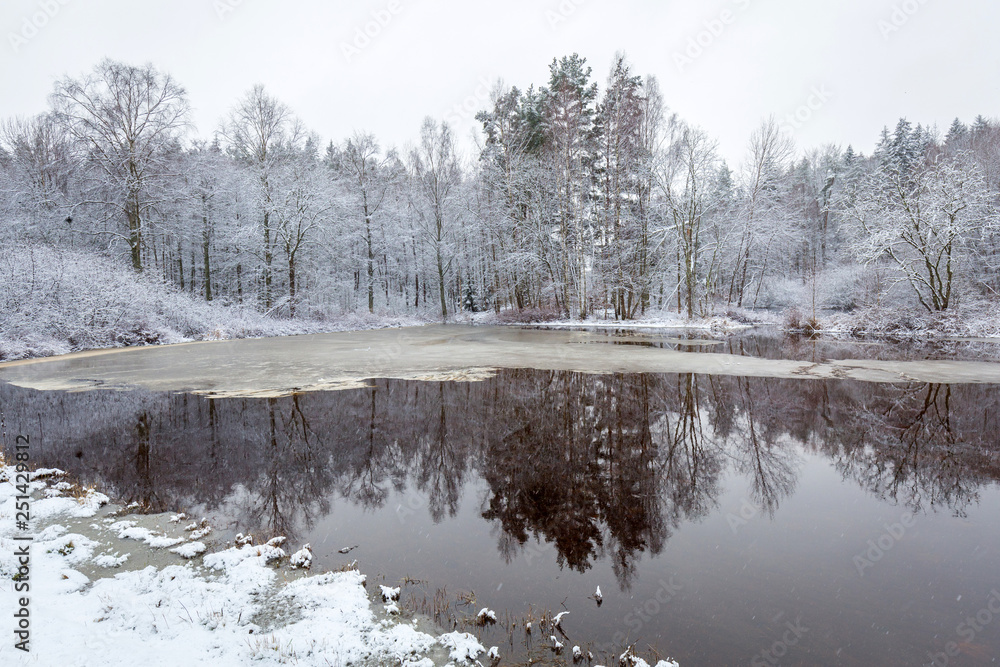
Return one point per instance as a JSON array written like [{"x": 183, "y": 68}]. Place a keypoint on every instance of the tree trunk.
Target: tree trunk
[
  {"x": 205, "y": 256},
  {"x": 180, "y": 263},
  {"x": 291, "y": 284},
  {"x": 440, "y": 270},
  {"x": 268, "y": 260},
  {"x": 134, "y": 234},
  {"x": 371, "y": 259}
]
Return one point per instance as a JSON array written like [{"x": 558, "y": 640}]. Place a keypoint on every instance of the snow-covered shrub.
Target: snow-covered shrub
[
  {"x": 742, "y": 316},
  {"x": 796, "y": 322},
  {"x": 882, "y": 286},
  {"x": 880, "y": 321},
  {"x": 908, "y": 323},
  {"x": 780, "y": 293},
  {"x": 839, "y": 288},
  {"x": 514, "y": 316}
]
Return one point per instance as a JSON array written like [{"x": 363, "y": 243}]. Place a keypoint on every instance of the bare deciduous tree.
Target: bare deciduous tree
[
  {"x": 126, "y": 120},
  {"x": 261, "y": 133},
  {"x": 926, "y": 223},
  {"x": 436, "y": 175}
]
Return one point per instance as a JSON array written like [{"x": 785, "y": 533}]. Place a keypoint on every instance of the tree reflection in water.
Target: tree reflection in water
[
  {"x": 600, "y": 466},
  {"x": 925, "y": 446}
]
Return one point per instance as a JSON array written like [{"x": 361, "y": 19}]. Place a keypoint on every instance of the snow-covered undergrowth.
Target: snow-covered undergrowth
[
  {"x": 237, "y": 606},
  {"x": 724, "y": 320},
  {"x": 54, "y": 302},
  {"x": 911, "y": 324}
]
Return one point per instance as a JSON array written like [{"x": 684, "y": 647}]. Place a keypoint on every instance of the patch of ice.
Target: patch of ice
[
  {"x": 189, "y": 549},
  {"x": 233, "y": 557},
  {"x": 72, "y": 547},
  {"x": 86, "y": 506},
  {"x": 148, "y": 536},
  {"x": 198, "y": 534},
  {"x": 50, "y": 532},
  {"x": 110, "y": 561}
]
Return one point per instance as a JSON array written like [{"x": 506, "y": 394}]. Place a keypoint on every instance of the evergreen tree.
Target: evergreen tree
[{"x": 568, "y": 104}]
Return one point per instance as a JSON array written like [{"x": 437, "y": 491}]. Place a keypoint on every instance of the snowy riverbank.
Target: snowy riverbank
[
  {"x": 723, "y": 322},
  {"x": 891, "y": 324},
  {"x": 105, "y": 586},
  {"x": 958, "y": 323},
  {"x": 111, "y": 306}
]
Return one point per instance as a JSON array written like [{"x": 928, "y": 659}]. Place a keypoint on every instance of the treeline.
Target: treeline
[{"x": 584, "y": 199}]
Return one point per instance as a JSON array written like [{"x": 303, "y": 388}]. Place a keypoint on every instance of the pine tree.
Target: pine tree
[
  {"x": 568, "y": 104},
  {"x": 616, "y": 174},
  {"x": 957, "y": 138}
]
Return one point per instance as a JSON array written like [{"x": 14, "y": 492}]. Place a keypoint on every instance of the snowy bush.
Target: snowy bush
[
  {"x": 839, "y": 287},
  {"x": 515, "y": 316},
  {"x": 906, "y": 323},
  {"x": 782, "y": 293},
  {"x": 796, "y": 322}
]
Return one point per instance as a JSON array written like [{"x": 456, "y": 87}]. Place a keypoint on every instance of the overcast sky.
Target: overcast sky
[{"x": 722, "y": 64}]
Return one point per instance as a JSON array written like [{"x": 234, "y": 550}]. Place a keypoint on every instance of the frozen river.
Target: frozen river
[
  {"x": 283, "y": 366},
  {"x": 748, "y": 501}
]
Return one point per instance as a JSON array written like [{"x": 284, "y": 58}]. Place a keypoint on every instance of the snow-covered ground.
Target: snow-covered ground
[
  {"x": 105, "y": 587},
  {"x": 975, "y": 323},
  {"x": 110, "y": 307},
  {"x": 731, "y": 321}
]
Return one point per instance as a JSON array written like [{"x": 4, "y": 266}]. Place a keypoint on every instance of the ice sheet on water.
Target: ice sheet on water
[{"x": 281, "y": 366}]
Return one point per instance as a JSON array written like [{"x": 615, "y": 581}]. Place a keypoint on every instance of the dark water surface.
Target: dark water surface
[{"x": 727, "y": 520}]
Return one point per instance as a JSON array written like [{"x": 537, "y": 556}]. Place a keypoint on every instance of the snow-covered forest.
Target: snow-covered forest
[{"x": 587, "y": 197}]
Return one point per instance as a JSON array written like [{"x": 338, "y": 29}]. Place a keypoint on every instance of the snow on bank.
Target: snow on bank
[
  {"x": 628, "y": 660},
  {"x": 112, "y": 307},
  {"x": 909, "y": 325},
  {"x": 233, "y": 608},
  {"x": 731, "y": 321},
  {"x": 976, "y": 322}
]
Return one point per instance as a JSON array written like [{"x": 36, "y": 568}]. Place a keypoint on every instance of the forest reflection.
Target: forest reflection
[{"x": 600, "y": 466}]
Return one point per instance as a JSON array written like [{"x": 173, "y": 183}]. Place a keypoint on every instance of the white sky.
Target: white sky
[{"x": 942, "y": 62}]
